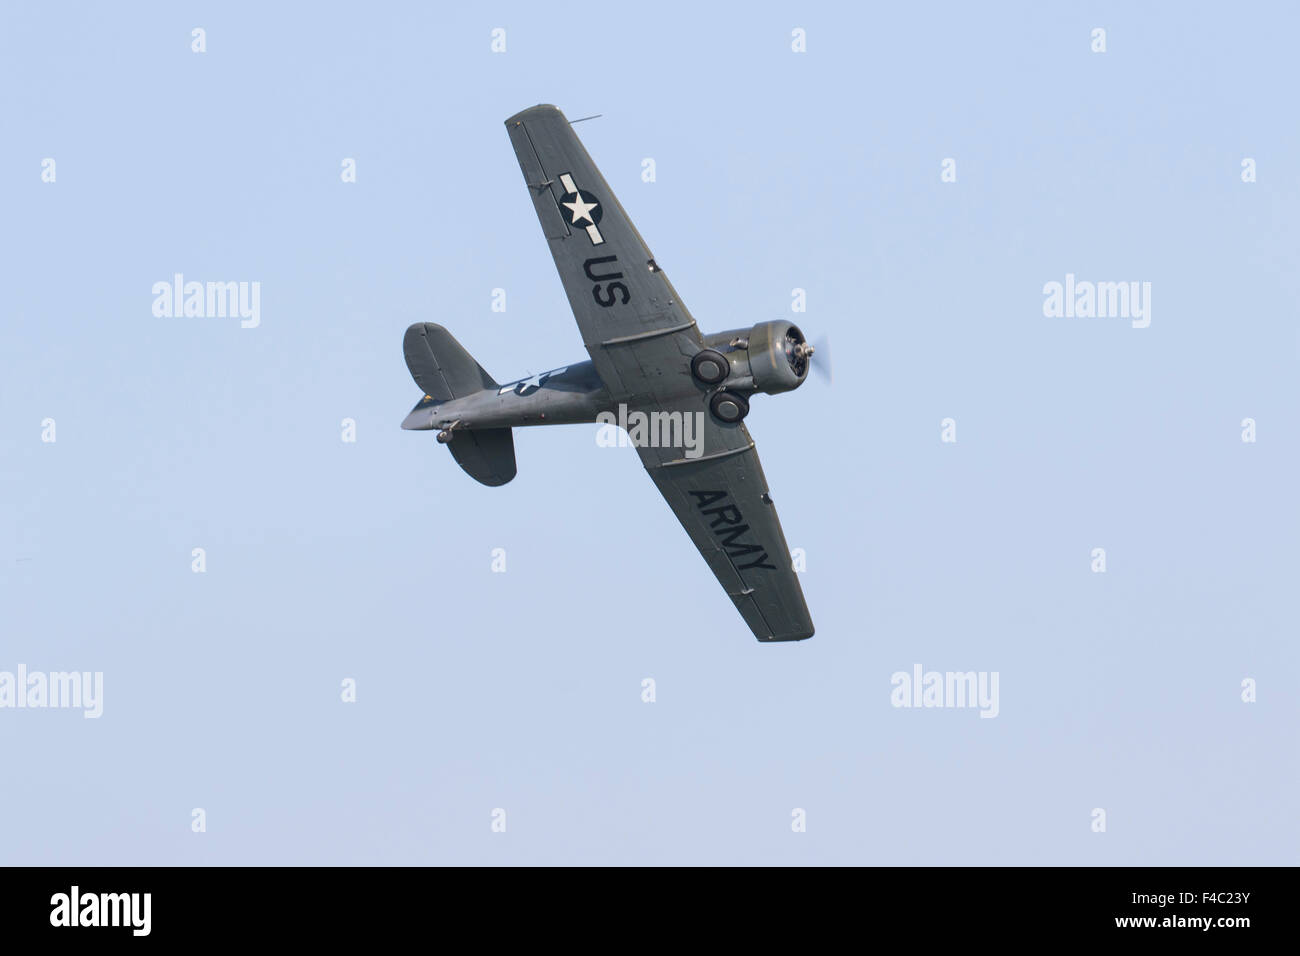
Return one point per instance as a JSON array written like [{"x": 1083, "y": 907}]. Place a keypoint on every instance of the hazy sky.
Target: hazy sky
[{"x": 775, "y": 170}]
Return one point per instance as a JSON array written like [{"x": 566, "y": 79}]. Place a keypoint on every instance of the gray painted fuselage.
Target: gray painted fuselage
[{"x": 569, "y": 396}]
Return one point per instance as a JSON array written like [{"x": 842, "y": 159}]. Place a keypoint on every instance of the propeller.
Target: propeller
[{"x": 822, "y": 348}]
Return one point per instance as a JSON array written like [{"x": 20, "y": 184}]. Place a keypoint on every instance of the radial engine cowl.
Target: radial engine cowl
[{"x": 778, "y": 358}]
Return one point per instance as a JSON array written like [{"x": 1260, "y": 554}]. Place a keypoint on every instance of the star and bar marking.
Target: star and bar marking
[{"x": 583, "y": 207}]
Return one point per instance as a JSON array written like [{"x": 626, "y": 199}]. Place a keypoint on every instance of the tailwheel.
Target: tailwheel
[
  {"x": 728, "y": 407},
  {"x": 445, "y": 435}
]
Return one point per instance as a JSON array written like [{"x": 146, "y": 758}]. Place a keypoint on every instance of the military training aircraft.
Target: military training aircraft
[{"x": 649, "y": 363}]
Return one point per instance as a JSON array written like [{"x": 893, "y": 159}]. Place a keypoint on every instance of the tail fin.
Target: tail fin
[{"x": 441, "y": 366}]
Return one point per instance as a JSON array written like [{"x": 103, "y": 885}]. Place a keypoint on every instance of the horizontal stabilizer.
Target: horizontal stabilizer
[
  {"x": 440, "y": 365},
  {"x": 486, "y": 454}
]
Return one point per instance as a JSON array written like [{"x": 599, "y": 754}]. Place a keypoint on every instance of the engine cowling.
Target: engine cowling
[{"x": 771, "y": 357}]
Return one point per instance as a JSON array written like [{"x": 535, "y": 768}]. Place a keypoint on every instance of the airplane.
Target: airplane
[{"x": 647, "y": 356}]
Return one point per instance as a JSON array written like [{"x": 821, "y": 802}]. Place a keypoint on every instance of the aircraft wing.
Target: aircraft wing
[
  {"x": 641, "y": 338},
  {"x": 634, "y": 326},
  {"x": 722, "y": 501}
]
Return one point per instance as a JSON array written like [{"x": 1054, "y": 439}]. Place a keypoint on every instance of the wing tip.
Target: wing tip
[
  {"x": 535, "y": 112},
  {"x": 790, "y": 636}
]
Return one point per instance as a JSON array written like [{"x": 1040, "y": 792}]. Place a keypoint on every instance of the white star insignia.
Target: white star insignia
[{"x": 581, "y": 210}]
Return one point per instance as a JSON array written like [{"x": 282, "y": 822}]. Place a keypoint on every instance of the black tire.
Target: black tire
[
  {"x": 728, "y": 407},
  {"x": 710, "y": 367}
]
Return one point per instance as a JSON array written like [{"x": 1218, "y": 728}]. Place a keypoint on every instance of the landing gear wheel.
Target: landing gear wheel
[
  {"x": 728, "y": 407},
  {"x": 710, "y": 367},
  {"x": 444, "y": 436}
]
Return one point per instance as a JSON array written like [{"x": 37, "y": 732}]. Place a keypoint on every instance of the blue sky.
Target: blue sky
[{"x": 521, "y": 690}]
